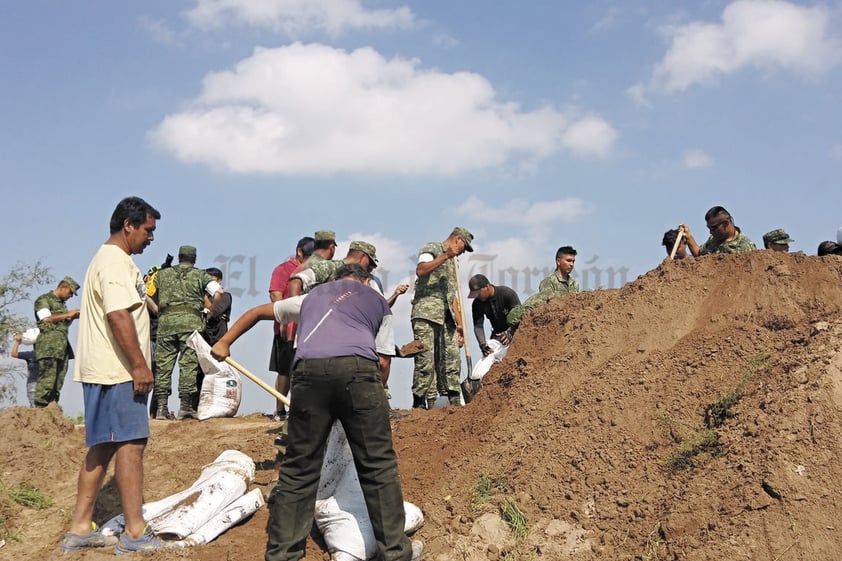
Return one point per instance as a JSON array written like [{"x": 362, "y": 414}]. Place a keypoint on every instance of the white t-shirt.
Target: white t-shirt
[{"x": 113, "y": 282}]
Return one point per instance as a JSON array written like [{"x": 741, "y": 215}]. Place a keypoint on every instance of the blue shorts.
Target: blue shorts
[{"x": 114, "y": 414}]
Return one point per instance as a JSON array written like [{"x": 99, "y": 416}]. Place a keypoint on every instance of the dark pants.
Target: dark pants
[{"x": 323, "y": 390}]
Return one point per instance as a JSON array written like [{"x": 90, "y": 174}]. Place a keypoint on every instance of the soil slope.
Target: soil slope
[{"x": 581, "y": 428}]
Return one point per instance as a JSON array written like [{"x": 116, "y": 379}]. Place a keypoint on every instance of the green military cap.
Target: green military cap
[
  {"x": 366, "y": 248},
  {"x": 74, "y": 286},
  {"x": 466, "y": 236},
  {"x": 778, "y": 236},
  {"x": 325, "y": 236},
  {"x": 187, "y": 251}
]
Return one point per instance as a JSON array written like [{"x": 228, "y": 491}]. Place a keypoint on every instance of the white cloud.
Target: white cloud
[
  {"x": 158, "y": 31},
  {"x": 312, "y": 109},
  {"x": 697, "y": 159},
  {"x": 637, "y": 93},
  {"x": 522, "y": 212},
  {"x": 590, "y": 136},
  {"x": 766, "y": 34},
  {"x": 295, "y": 17}
]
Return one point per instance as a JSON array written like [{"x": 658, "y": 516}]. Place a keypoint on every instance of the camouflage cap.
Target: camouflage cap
[
  {"x": 187, "y": 251},
  {"x": 778, "y": 236},
  {"x": 325, "y": 236},
  {"x": 74, "y": 286},
  {"x": 466, "y": 236},
  {"x": 366, "y": 248}
]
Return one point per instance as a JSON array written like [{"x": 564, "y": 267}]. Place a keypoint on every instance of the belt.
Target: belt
[
  {"x": 183, "y": 308},
  {"x": 335, "y": 362}
]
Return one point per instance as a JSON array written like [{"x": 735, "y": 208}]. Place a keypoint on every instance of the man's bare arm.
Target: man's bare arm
[{"x": 125, "y": 335}]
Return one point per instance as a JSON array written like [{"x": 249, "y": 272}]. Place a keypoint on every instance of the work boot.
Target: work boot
[
  {"x": 186, "y": 410},
  {"x": 162, "y": 413}
]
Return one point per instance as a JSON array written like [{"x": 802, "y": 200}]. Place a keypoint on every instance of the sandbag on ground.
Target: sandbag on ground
[
  {"x": 341, "y": 514},
  {"x": 214, "y": 503}
]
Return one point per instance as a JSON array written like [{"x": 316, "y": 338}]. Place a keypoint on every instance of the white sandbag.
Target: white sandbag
[
  {"x": 484, "y": 365},
  {"x": 222, "y": 388},
  {"x": 341, "y": 514},
  {"x": 234, "y": 513},
  {"x": 214, "y": 503},
  {"x": 29, "y": 336}
]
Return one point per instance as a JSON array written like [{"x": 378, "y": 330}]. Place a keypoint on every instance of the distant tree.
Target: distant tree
[{"x": 15, "y": 287}]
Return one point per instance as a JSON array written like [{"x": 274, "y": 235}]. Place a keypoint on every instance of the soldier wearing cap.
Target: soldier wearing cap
[
  {"x": 179, "y": 293},
  {"x": 324, "y": 248},
  {"x": 777, "y": 240},
  {"x": 436, "y": 322},
  {"x": 364, "y": 253},
  {"x": 52, "y": 349}
]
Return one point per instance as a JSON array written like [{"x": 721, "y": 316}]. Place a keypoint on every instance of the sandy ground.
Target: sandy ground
[{"x": 575, "y": 427}]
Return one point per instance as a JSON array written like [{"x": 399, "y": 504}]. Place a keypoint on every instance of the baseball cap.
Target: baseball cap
[
  {"x": 74, "y": 286},
  {"x": 477, "y": 283},
  {"x": 187, "y": 251},
  {"x": 325, "y": 236},
  {"x": 778, "y": 236},
  {"x": 466, "y": 236},
  {"x": 366, "y": 248}
]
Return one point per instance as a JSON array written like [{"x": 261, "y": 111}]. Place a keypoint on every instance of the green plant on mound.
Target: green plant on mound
[
  {"x": 26, "y": 494},
  {"x": 77, "y": 419},
  {"x": 514, "y": 518},
  {"x": 693, "y": 450},
  {"x": 482, "y": 491},
  {"x": 722, "y": 409}
]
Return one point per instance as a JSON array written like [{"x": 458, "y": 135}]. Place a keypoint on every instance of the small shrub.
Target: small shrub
[
  {"x": 482, "y": 491},
  {"x": 514, "y": 517},
  {"x": 29, "y": 496},
  {"x": 693, "y": 450}
]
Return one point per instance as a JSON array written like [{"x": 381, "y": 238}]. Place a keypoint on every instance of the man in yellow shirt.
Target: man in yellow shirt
[{"x": 113, "y": 367}]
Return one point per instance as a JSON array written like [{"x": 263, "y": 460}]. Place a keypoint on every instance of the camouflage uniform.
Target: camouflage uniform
[
  {"x": 538, "y": 299},
  {"x": 740, "y": 244},
  {"x": 52, "y": 350},
  {"x": 438, "y": 370},
  {"x": 556, "y": 285},
  {"x": 180, "y": 292}
]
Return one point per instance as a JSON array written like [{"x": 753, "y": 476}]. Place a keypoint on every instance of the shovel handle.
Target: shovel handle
[
  {"x": 676, "y": 244},
  {"x": 279, "y": 396}
]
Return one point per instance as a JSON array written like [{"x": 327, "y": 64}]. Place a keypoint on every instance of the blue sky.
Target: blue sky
[{"x": 250, "y": 123}]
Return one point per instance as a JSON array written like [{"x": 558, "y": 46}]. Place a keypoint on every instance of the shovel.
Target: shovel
[
  {"x": 469, "y": 389},
  {"x": 279, "y": 396},
  {"x": 678, "y": 239}
]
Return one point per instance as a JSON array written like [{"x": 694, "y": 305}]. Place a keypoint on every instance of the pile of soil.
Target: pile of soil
[{"x": 587, "y": 429}]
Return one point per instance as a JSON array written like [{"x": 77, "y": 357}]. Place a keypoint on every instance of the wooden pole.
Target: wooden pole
[
  {"x": 279, "y": 396},
  {"x": 677, "y": 243}
]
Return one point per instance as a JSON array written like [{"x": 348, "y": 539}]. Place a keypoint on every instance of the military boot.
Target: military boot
[
  {"x": 186, "y": 410},
  {"x": 418, "y": 402},
  {"x": 431, "y": 402},
  {"x": 162, "y": 413},
  {"x": 454, "y": 398}
]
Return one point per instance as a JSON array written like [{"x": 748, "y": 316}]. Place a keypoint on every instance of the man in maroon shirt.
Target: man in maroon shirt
[{"x": 280, "y": 361}]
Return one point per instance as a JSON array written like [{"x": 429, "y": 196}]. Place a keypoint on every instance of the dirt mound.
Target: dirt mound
[{"x": 692, "y": 414}]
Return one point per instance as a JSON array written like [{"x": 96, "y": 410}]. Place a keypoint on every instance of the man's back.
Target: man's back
[{"x": 180, "y": 290}]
